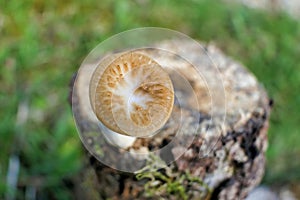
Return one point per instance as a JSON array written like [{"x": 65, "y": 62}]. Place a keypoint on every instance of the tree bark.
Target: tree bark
[{"x": 225, "y": 162}]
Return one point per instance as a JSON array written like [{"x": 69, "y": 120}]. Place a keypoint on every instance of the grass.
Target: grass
[{"x": 42, "y": 43}]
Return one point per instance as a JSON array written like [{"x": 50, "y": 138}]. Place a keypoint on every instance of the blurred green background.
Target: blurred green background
[{"x": 42, "y": 44}]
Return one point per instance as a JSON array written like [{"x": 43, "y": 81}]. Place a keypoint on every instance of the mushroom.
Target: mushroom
[{"x": 131, "y": 96}]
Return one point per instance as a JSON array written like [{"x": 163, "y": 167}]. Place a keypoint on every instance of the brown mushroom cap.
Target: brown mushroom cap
[{"x": 134, "y": 95}]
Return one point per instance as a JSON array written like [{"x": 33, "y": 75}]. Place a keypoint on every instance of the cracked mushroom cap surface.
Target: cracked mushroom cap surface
[{"x": 133, "y": 96}]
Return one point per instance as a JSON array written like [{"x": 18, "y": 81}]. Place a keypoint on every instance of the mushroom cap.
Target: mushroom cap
[{"x": 133, "y": 96}]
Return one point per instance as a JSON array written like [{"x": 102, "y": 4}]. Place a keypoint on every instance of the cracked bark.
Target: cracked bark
[{"x": 231, "y": 169}]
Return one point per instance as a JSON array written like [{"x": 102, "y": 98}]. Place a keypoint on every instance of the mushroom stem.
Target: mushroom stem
[{"x": 116, "y": 139}]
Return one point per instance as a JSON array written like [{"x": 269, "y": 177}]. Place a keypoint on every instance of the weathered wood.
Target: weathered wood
[{"x": 229, "y": 170}]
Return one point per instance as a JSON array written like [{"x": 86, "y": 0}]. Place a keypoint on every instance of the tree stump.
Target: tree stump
[{"x": 229, "y": 170}]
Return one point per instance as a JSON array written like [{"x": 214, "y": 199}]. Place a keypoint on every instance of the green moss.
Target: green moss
[{"x": 166, "y": 182}]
